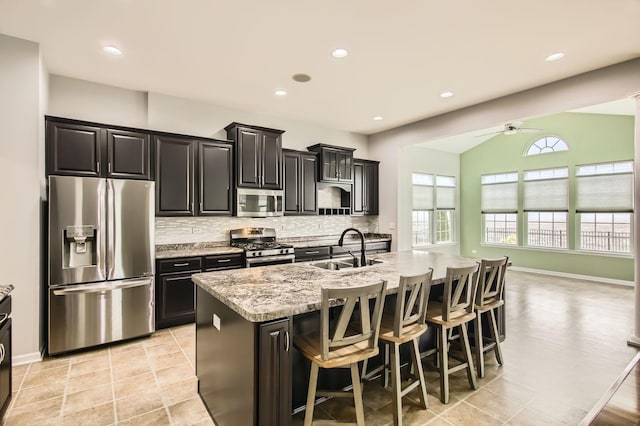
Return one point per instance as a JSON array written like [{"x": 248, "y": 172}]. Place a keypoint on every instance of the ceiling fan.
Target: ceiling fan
[{"x": 511, "y": 129}]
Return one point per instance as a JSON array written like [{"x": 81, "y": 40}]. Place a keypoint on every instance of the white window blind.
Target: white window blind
[
  {"x": 422, "y": 197},
  {"x": 446, "y": 192},
  {"x": 605, "y": 187},
  {"x": 546, "y": 190},
  {"x": 499, "y": 193}
]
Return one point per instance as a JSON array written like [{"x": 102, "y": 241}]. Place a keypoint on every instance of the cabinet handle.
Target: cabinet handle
[
  {"x": 2, "y": 352},
  {"x": 201, "y": 205},
  {"x": 98, "y": 166},
  {"x": 312, "y": 252},
  {"x": 224, "y": 260},
  {"x": 109, "y": 167},
  {"x": 181, "y": 264},
  {"x": 286, "y": 341},
  {"x": 192, "y": 206}
]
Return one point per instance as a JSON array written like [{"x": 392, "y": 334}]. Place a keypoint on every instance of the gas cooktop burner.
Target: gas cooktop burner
[{"x": 264, "y": 245}]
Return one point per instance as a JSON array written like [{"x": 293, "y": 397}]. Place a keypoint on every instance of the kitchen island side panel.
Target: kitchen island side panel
[{"x": 225, "y": 362}]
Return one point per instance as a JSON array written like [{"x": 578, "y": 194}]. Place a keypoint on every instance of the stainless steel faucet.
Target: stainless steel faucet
[{"x": 363, "y": 259}]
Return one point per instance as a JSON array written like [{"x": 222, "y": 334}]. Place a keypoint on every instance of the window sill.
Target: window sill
[{"x": 560, "y": 250}]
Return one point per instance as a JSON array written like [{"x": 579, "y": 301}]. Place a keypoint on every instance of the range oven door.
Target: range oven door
[
  {"x": 269, "y": 260},
  {"x": 91, "y": 314}
]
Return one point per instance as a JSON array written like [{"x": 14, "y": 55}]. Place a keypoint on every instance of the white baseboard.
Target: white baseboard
[
  {"x": 26, "y": 358},
  {"x": 576, "y": 276}
]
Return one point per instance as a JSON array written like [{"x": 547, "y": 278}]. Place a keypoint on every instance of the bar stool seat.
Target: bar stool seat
[
  {"x": 456, "y": 310},
  {"x": 404, "y": 325},
  {"x": 343, "y": 340},
  {"x": 490, "y": 295}
]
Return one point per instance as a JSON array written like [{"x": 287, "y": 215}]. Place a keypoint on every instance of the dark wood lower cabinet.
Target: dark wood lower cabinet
[
  {"x": 243, "y": 368},
  {"x": 274, "y": 373},
  {"x": 175, "y": 292},
  {"x": 5, "y": 355}
]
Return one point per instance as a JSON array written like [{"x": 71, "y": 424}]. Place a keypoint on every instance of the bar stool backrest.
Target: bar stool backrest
[
  {"x": 463, "y": 296},
  {"x": 346, "y": 332},
  {"x": 411, "y": 301},
  {"x": 491, "y": 280}
]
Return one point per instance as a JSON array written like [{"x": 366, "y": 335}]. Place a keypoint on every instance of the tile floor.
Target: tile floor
[{"x": 566, "y": 344}]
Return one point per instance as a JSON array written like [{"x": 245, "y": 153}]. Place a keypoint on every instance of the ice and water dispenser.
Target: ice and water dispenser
[{"x": 79, "y": 246}]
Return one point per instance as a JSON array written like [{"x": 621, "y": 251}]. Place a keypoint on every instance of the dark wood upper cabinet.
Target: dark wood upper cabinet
[
  {"x": 175, "y": 175},
  {"x": 364, "y": 196},
  {"x": 215, "y": 177},
  {"x": 79, "y": 148},
  {"x": 128, "y": 154},
  {"x": 335, "y": 164},
  {"x": 74, "y": 149},
  {"x": 259, "y": 155},
  {"x": 300, "y": 194}
]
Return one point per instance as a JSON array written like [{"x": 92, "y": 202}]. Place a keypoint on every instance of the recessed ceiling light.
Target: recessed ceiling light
[
  {"x": 301, "y": 78},
  {"x": 554, "y": 57},
  {"x": 112, "y": 50},
  {"x": 446, "y": 94},
  {"x": 280, "y": 92},
  {"x": 378, "y": 117},
  {"x": 339, "y": 53}
]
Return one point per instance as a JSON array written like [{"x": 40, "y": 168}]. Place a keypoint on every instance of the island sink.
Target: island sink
[{"x": 333, "y": 265}]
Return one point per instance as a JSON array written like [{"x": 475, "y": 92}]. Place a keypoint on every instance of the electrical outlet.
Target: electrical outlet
[{"x": 216, "y": 322}]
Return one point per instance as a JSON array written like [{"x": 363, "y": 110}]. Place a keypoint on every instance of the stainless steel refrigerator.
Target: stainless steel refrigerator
[{"x": 101, "y": 261}]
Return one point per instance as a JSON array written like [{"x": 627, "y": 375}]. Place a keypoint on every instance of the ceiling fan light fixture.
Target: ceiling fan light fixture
[
  {"x": 510, "y": 132},
  {"x": 112, "y": 50},
  {"x": 446, "y": 94}
]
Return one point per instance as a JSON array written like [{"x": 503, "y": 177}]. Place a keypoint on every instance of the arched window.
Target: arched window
[{"x": 547, "y": 144}]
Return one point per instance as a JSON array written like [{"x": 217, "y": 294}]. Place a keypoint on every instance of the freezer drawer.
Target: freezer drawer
[{"x": 91, "y": 314}]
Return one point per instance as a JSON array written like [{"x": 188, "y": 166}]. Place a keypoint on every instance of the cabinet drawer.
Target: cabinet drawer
[
  {"x": 312, "y": 253},
  {"x": 380, "y": 246},
  {"x": 223, "y": 261},
  {"x": 5, "y": 306},
  {"x": 181, "y": 264}
]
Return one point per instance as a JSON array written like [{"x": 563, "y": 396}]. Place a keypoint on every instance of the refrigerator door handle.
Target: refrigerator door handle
[
  {"x": 111, "y": 234},
  {"x": 100, "y": 288}
]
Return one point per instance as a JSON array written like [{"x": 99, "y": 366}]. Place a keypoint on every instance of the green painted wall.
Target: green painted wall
[{"x": 592, "y": 138}]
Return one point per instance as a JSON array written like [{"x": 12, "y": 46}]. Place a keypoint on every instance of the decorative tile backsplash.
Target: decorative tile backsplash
[{"x": 174, "y": 230}]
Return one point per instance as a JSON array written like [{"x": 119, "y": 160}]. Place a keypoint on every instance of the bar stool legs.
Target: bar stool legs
[
  {"x": 443, "y": 360},
  {"x": 481, "y": 348}
]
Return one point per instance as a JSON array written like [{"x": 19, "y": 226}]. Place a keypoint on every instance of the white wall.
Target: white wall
[
  {"x": 20, "y": 177},
  {"x": 85, "y": 100},
  {"x": 415, "y": 159},
  {"x": 190, "y": 117},
  {"x": 599, "y": 86}
]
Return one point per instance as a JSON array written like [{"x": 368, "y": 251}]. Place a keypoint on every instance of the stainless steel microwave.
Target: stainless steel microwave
[{"x": 259, "y": 202}]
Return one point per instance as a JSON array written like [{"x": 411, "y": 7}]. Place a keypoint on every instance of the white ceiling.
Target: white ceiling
[{"x": 402, "y": 54}]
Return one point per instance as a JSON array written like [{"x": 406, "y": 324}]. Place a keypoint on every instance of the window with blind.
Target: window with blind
[
  {"x": 434, "y": 203},
  {"x": 604, "y": 206},
  {"x": 499, "y": 205},
  {"x": 546, "y": 203}
]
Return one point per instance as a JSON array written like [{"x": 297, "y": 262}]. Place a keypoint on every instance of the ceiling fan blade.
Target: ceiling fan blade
[
  {"x": 489, "y": 134},
  {"x": 528, "y": 130}
]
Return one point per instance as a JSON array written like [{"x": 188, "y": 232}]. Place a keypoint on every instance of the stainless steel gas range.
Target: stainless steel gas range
[{"x": 260, "y": 247}]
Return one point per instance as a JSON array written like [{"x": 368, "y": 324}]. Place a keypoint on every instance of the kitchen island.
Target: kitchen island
[{"x": 245, "y": 320}]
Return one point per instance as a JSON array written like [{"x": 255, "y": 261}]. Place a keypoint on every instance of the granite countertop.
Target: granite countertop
[
  {"x": 272, "y": 292},
  {"x": 5, "y": 289},
  {"x": 168, "y": 251}
]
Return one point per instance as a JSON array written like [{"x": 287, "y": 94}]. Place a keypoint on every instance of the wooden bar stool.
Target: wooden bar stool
[
  {"x": 405, "y": 325},
  {"x": 456, "y": 310},
  {"x": 490, "y": 295},
  {"x": 345, "y": 342}
]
